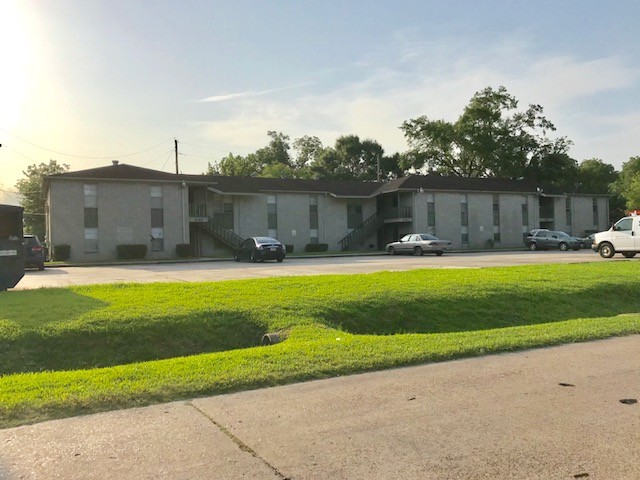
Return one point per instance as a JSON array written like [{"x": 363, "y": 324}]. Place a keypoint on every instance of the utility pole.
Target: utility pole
[{"x": 175, "y": 140}]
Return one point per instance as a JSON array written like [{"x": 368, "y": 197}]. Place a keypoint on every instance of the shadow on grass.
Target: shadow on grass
[
  {"x": 515, "y": 307},
  {"x": 120, "y": 343},
  {"x": 33, "y": 308}
]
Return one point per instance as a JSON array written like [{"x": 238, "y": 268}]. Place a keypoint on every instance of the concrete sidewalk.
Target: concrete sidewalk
[{"x": 552, "y": 413}]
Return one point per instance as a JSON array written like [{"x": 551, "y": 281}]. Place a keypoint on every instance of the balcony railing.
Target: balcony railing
[
  {"x": 197, "y": 210},
  {"x": 394, "y": 213}
]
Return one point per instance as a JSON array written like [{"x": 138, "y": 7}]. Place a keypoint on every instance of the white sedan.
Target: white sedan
[{"x": 417, "y": 244}]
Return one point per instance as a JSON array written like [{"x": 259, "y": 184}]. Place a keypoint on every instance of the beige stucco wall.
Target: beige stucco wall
[{"x": 124, "y": 217}]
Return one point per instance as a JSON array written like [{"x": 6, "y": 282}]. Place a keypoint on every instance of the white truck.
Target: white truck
[{"x": 623, "y": 237}]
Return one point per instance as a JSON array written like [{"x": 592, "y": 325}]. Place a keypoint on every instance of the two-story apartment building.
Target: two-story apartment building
[{"x": 95, "y": 210}]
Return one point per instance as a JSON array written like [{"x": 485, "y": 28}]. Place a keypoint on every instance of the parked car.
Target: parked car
[
  {"x": 588, "y": 240},
  {"x": 541, "y": 239},
  {"x": 259, "y": 249},
  {"x": 417, "y": 244},
  {"x": 34, "y": 253}
]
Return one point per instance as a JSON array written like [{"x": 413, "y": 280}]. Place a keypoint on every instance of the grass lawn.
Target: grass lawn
[{"x": 85, "y": 349}]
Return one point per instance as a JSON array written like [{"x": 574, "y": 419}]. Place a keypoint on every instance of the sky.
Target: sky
[{"x": 86, "y": 82}]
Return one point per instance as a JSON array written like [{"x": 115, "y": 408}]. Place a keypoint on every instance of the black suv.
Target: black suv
[{"x": 34, "y": 255}]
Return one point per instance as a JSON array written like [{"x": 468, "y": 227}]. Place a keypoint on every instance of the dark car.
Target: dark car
[
  {"x": 542, "y": 239},
  {"x": 258, "y": 249},
  {"x": 34, "y": 254}
]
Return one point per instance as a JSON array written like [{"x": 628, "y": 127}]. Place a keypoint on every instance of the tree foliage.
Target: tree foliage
[
  {"x": 489, "y": 139},
  {"x": 627, "y": 183},
  {"x": 349, "y": 159},
  {"x": 34, "y": 196}
]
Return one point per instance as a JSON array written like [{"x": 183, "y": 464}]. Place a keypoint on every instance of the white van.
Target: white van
[{"x": 623, "y": 237}]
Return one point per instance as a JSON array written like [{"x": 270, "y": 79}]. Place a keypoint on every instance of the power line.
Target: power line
[{"x": 83, "y": 156}]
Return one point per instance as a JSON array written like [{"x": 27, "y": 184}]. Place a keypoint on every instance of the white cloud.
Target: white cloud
[{"x": 437, "y": 80}]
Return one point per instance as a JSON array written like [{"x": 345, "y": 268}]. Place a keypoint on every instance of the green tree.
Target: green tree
[
  {"x": 489, "y": 139},
  {"x": 235, "y": 166},
  {"x": 632, "y": 193},
  {"x": 624, "y": 187},
  {"x": 595, "y": 176},
  {"x": 34, "y": 196}
]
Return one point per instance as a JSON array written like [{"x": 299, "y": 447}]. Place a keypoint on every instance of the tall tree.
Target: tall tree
[
  {"x": 489, "y": 139},
  {"x": 235, "y": 166},
  {"x": 595, "y": 176},
  {"x": 34, "y": 196},
  {"x": 627, "y": 183}
]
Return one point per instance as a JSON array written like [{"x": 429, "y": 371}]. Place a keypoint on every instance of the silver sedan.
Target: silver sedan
[{"x": 419, "y": 243}]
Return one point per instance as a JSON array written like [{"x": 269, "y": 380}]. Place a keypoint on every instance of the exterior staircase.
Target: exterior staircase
[
  {"x": 363, "y": 231},
  {"x": 224, "y": 235}
]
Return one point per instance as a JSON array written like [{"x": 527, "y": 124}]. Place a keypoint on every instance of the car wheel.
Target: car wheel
[
  {"x": 606, "y": 250},
  {"x": 254, "y": 257},
  {"x": 236, "y": 258},
  {"x": 392, "y": 251},
  {"x": 563, "y": 246},
  {"x": 533, "y": 247},
  {"x": 280, "y": 259},
  {"x": 41, "y": 267},
  {"x": 417, "y": 251},
  {"x": 439, "y": 254},
  {"x": 628, "y": 254}
]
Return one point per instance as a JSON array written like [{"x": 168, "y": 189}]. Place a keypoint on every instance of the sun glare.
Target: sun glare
[{"x": 15, "y": 61}]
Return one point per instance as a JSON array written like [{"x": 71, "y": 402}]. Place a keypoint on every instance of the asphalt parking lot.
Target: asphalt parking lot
[{"x": 208, "y": 271}]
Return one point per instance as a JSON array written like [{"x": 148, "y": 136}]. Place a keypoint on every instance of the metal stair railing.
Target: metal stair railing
[
  {"x": 226, "y": 236},
  {"x": 359, "y": 234}
]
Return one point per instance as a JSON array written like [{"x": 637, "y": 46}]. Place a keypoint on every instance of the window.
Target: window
[
  {"x": 595, "y": 211},
  {"x": 464, "y": 219},
  {"x": 525, "y": 219},
  {"x": 496, "y": 218},
  {"x": 272, "y": 216},
  {"x": 91, "y": 218},
  {"x": 157, "y": 219},
  {"x": 431, "y": 214},
  {"x": 354, "y": 215},
  {"x": 568, "y": 212},
  {"x": 313, "y": 219}
]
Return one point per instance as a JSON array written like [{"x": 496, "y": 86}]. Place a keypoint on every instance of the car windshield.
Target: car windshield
[
  {"x": 426, "y": 236},
  {"x": 261, "y": 240}
]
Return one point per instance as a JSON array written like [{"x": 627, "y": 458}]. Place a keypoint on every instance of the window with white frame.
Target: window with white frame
[
  {"x": 496, "y": 218},
  {"x": 595, "y": 212},
  {"x": 464, "y": 219},
  {"x": 568, "y": 215},
  {"x": 313, "y": 219},
  {"x": 431, "y": 214},
  {"x": 91, "y": 218},
  {"x": 272, "y": 216},
  {"x": 525, "y": 219},
  {"x": 157, "y": 219}
]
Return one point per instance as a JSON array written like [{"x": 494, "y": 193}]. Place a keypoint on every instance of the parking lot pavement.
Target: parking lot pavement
[
  {"x": 553, "y": 413},
  {"x": 229, "y": 270}
]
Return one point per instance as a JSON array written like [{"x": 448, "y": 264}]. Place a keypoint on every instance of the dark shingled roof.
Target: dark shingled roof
[
  {"x": 339, "y": 188},
  {"x": 437, "y": 182}
]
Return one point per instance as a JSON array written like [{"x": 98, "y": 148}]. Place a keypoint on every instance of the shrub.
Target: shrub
[
  {"x": 183, "y": 250},
  {"x": 131, "y": 252},
  {"x": 61, "y": 252},
  {"x": 316, "y": 247},
  {"x": 289, "y": 248}
]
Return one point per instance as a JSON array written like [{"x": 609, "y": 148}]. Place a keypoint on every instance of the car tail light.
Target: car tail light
[{"x": 37, "y": 249}]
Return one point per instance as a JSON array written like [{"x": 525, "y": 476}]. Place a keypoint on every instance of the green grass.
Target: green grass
[{"x": 86, "y": 349}]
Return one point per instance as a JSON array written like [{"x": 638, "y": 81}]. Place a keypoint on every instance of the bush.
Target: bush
[
  {"x": 61, "y": 252},
  {"x": 183, "y": 250},
  {"x": 316, "y": 247},
  {"x": 289, "y": 248},
  {"x": 131, "y": 252}
]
